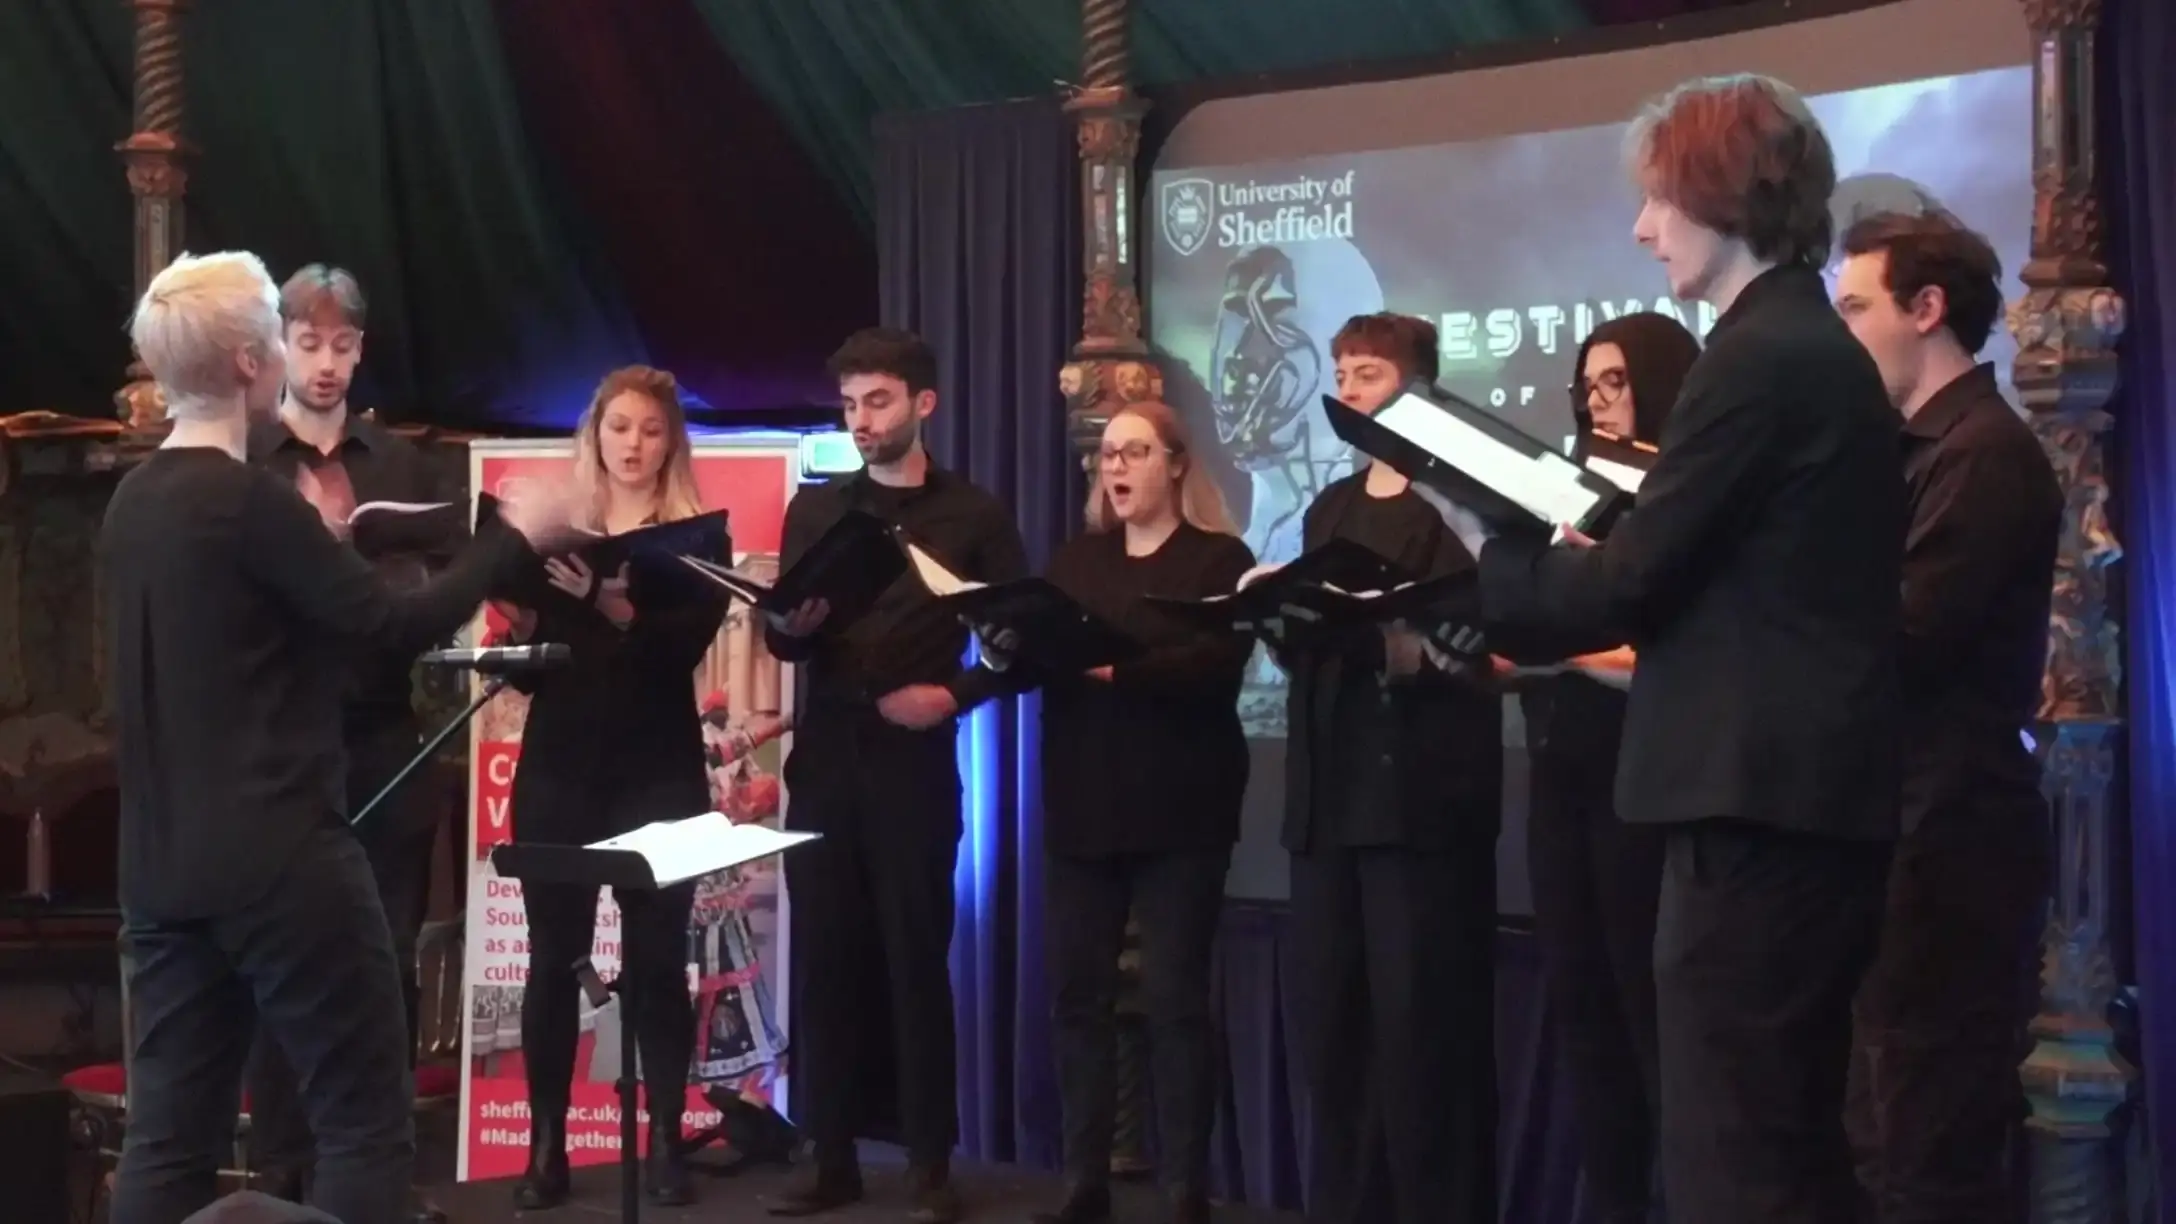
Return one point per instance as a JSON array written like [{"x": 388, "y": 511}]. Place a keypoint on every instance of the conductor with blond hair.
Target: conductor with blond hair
[{"x": 243, "y": 892}]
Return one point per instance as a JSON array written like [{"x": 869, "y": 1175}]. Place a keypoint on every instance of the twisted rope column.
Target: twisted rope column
[{"x": 157, "y": 176}]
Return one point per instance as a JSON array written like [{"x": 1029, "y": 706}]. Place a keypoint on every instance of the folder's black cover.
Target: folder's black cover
[
  {"x": 1502, "y": 513},
  {"x": 850, "y": 566},
  {"x": 1326, "y": 588},
  {"x": 1053, "y": 632},
  {"x": 655, "y": 550}
]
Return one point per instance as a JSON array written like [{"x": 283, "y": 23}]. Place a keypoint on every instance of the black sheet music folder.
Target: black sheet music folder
[
  {"x": 850, "y": 566},
  {"x": 1512, "y": 480},
  {"x": 654, "y": 550},
  {"x": 1052, "y": 631},
  {"x": 1339, "y": 585}
]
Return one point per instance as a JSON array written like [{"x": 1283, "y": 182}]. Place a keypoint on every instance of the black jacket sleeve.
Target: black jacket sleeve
[
  {"x": 326, "y": 583},
  {"x": 1722, "y": 443}
]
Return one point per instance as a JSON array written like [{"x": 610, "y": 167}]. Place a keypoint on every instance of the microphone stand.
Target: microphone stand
[{"x": 492, "y": 686}]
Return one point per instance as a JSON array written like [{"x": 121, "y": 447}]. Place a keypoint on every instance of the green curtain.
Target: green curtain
[
  {"x": 64, "y": 207},
  {"x": 381, "y": 135},
  {"x": 830, "y": 66}
]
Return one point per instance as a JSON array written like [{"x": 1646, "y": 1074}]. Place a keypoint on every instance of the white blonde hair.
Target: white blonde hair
[{"x": 194, "y": 317}]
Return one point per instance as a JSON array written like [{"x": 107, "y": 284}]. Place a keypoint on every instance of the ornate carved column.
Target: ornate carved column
[
  {"x": 157, "y": 175},
  {"x": 2066, "y": 327},
  {"x": 1109, "y": 366}
]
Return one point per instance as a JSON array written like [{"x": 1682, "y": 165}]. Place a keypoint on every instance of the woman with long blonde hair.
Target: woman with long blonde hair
[
  {"x": 613, "y": 741},
  {"x": 1144, "y": 766}
]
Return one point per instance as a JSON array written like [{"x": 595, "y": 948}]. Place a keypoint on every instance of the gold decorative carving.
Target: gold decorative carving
[
  {"x": 2067, "y": 326},
  {"x": 2044, "y": 17}
]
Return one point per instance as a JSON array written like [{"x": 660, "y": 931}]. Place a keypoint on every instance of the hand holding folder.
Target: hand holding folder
[
  {"x": 650, "y": 551},
  {"x": 1466, "y": 455},
  {"x": 835, "y": 583},
  {"x": 1336, "y": 587},
  {"x": 1029, "y": 619}
]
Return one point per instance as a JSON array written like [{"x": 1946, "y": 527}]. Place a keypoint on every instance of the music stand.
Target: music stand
[
  {"x": 631, "y": 874},
  {"x": 491, "y": 688}
]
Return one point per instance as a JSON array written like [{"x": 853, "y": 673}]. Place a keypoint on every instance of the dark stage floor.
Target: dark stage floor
[{"x": 995, "y": 1195}]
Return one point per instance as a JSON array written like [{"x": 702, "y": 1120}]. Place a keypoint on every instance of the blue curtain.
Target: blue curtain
[
  {"x": 978, "y": 217},
  {"x": 2138, "y": 167},
  {"x": 978, "y": 241}
]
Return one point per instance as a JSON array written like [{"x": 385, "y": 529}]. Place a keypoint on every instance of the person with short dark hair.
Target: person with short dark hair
[
  {"x": 1758, "y": 580},
  {"x": 874, "y": 768},
  {"x": 1393, "y": 800},
  {"x": 1933, "y": 1078}
]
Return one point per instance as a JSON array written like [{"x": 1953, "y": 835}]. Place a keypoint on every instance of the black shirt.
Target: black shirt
[
  {"x": 224, "y": 593},
  {"x": 1152, "y": 760},
  {"x": 907, "y": 638},
  {"x": 1413, "y": 761},
  {"x": 1979, "y": 564},
  {"x": 614, "y": 739},
  {"x": 374, "y": 466},
  {"x": 1759, "y": 580}
]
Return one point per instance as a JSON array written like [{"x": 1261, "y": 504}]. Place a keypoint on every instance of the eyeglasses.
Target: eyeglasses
[
  {"x": 1130, "y": 452},
  {"x": 1611, "y": 386}
]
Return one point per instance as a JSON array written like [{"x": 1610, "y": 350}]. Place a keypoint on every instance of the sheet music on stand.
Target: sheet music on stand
[
  {"x": 1514, "y": 482},
  {"x": 681, "y": 850}
]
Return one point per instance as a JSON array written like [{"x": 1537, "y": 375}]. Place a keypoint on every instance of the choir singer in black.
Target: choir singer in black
[
  {"x": 1144, "y": 767},
  {"x": 243, "y": 891},
  {"x": 1759, "y": 582},
  {"x": 874, "y": 768},
  {"x": 1393, "y": 799},
  {"x": 613, "y": 742},
  {"x": 1934, "y": 1069},
  {"x": 338, "y": 458},
  {"x": 1596, "y": 879}
]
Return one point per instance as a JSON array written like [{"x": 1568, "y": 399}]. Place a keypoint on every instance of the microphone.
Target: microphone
[{"x": 499, "y": 660}]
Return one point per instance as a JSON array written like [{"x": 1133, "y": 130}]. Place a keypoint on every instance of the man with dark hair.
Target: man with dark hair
[
  {"x": 874, "y": 769},
  {"x": 339, "y": 459},
  {"x": 1393, "y": 799},
  {"x": 1758, "y": 581},
  {"x": 1933, "y": 1077}
]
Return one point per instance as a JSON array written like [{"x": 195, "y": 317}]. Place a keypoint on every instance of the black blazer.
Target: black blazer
[
  {"x": 1759, "y": 581},
  {"x": 614, "y": 740}
]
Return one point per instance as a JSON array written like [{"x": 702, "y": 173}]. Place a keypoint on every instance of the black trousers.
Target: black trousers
[
  {"x": 1761, "y": 941},
  {"x": 1597, "y": 883},
  {"x": 872, "y": 937},
  {"x": 568, "y": 804},
  {"x": 1177, "y": 897},
  {"x": 313, "y": 962},
  {"x": 1934, "y": 1100},
  {"x": 1397, "y": 972},
  {"x": 654, "y": 962},
  {"x": 398, "y": 839}
]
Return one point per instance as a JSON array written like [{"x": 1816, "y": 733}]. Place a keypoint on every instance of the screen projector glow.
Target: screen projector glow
[{"x": 1515, "y": 246}]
